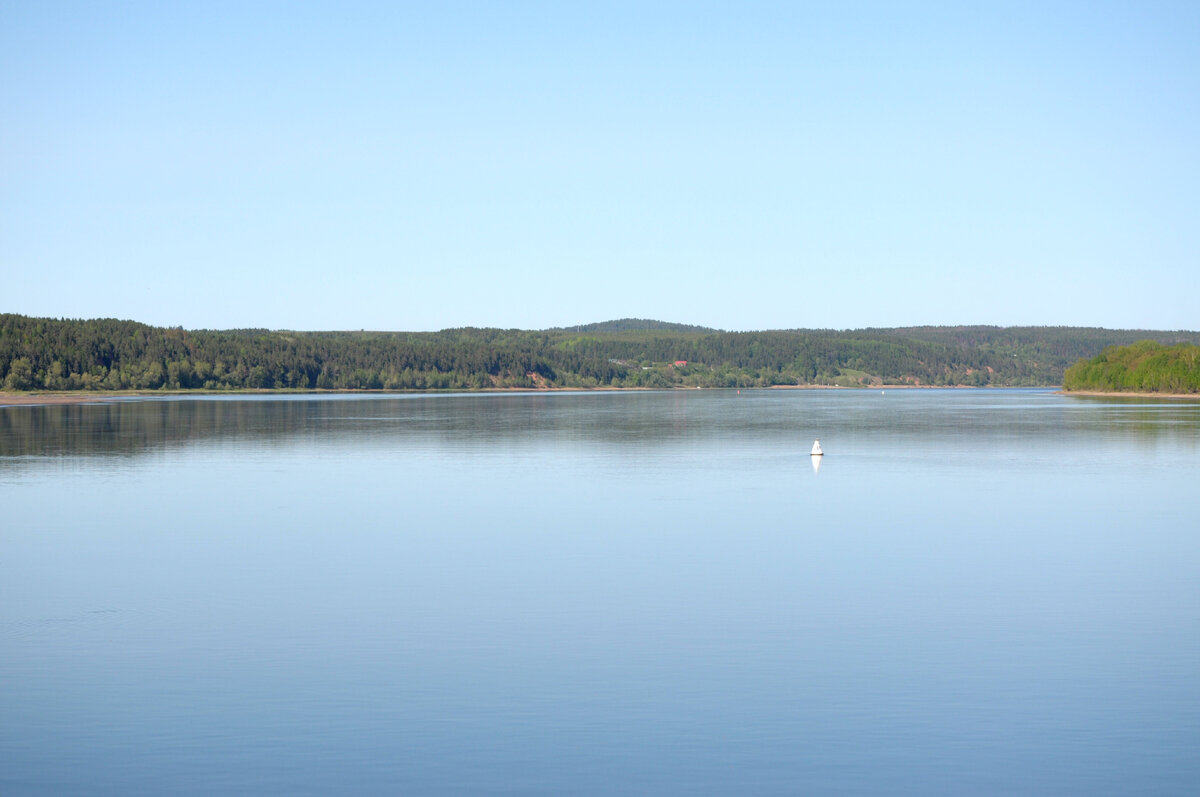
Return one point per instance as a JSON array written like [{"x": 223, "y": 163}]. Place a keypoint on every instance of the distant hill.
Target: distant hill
[{"x": 633, "y": 325}]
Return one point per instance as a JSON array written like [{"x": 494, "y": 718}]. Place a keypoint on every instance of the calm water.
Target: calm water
[{"x": 979, "y": 592}]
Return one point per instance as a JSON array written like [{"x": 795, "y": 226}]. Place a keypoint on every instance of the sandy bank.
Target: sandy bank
[
  {"x": 16, "y": 399},
  {"x": 13, "y": 399}
]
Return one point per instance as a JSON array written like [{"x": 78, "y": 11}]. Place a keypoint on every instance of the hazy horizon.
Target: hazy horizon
[{"x": 766, "y": 166}]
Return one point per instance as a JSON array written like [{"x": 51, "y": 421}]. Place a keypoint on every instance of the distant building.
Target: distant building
[{"x": 681, "y": 363}]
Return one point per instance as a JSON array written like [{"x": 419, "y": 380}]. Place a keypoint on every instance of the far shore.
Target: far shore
[
  {"x": 11, "y": 399},
  {"x": 45, "y": 397}
]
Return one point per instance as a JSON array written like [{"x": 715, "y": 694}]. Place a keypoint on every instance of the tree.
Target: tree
[{"x": 20, "y": 375}]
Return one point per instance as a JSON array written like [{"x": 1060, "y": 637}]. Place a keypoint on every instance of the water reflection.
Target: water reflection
[
  {"x": 816, "y": 462},
  {"x": 425, "y": 594},
  {"x": 785, "y": 418}
]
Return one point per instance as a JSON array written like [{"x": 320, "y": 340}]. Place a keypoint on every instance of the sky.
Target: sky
[{"x": 743, "y": 166}]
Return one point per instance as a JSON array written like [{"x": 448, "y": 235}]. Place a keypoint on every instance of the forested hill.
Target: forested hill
[
  {"x": 634, "y": 325},
  {"x": 1145, "y": 367},
  {"x": 107, "y": 354}
]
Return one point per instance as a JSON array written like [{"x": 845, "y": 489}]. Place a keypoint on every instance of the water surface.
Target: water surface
[{"x": 986, "y": 592}]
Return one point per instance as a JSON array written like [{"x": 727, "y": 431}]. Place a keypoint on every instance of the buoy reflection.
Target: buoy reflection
[{"x": 816, "y": 461}]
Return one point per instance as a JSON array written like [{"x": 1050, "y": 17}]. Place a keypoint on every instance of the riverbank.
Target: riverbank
[
  {"x": 20, "y": 399},
  {"x": 15, "y": 399}
]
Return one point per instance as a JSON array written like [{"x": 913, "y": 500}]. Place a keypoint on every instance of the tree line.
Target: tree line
[
  {"x": 110, "y": 354},
  {"x": 1145, "y": 367}
]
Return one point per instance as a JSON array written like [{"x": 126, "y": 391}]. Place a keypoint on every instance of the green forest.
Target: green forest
[
  {"x": 1144, "y": 367},
  {"x": 108, "y": 354}
]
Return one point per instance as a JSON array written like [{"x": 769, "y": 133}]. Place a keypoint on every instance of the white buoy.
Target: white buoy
[{"x": 816, "y": 449}]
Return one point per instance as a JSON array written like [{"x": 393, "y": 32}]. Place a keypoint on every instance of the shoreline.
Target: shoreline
[
  {"x": 1127, "y": 394},
  {"x": 52, "y": 398},
  {"x": 49, "y": 398}
]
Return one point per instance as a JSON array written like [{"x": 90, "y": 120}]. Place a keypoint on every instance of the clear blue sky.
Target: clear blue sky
[{"x": 738, "y": 165}]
